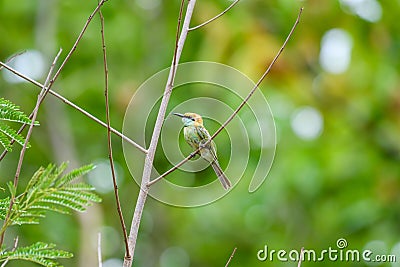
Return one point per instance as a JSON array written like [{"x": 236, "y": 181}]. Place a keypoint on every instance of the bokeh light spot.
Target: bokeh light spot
[
  {"x": 113, "y": 263},
  {"x": 148, "y": 4},
  {"x": 174, "y": 256},
  {"x": 31, "y": 64},
  {"x": 101, "y": 177},
  {"x": 335, "y": 54},
  {"x": 307, "y": 123},
  {"x": 396, "y": 252},
  {"x": 369, "y": 10},
  {"x": 377, "y": 247}
]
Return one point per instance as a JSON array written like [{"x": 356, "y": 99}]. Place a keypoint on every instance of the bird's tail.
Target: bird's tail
[{"x": 226, "y": 184}]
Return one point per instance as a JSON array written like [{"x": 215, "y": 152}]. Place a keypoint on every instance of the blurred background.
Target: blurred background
[{"x": 334, "y": 94}]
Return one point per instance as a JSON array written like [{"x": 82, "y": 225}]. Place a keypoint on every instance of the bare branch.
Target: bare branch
[
  {"x": 191, "y": 155},
  {"x": 148, "y": 164},
  {"x": 71, "y": 104},
  {"x": 239, "y": 107},
  {"x": 99, "y": 250},
  {"x": 99, "y": 5},
  {"x": 230, "y": 258},
  {"x": 110, "y": 150},
  {"x": 13, "y": 249},
  {"x": 12, "y": 58},
  {"x": 41, "y": 96},
  {"x": 260, "y": 80},
  {"x": 214, "y": 18}
]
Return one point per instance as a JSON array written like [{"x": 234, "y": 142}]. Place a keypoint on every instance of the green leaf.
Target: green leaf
[
  {"x": 4, "y": 206},
  {"x": 5, "y": 142},
  {"x": 41, "y": 253},
  {"x": 11, "y": 133},
  {"x": 11, "y": 188},
  {"x": 62, "y": 202},
  {"x": 11, "y": 112},
  {"x": 49, "y": 190},
  {"x": 74, "y": 174}
]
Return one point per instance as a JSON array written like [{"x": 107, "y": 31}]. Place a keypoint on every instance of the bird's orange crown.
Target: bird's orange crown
[{"x": 196, "y": 117}]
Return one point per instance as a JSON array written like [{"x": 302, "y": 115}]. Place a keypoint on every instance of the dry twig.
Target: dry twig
[
  {"x": 230, "y": 258},
  {"x": 109, "y": 144},
  {"x": 13, "y": 249},
  {"x": 12, "y": 58},
  {"x": 40, "y": 98},
  {"x": 214, "y": 18}
]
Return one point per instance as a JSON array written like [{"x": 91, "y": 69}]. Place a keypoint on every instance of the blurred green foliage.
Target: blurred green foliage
[{"x": 342, "y": 184}]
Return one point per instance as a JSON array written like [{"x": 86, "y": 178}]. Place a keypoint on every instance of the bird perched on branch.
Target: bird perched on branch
[{"x": 196, "y": 135}]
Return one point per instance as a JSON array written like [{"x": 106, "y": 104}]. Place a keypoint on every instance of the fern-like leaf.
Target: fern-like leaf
[
  {"x": 49, "y": 190},
  {"x": 5, "y": 142},
  {"x": 11, "y": 112},
  {"x": 74, "y": 174},
  {"x": 41, "y": 253},
  {"x": 4, "y": 205},
  {"x": 11, "y": 133}
]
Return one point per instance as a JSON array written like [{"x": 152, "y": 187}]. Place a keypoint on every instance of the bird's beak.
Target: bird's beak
[{"x": 179, "y": 115}]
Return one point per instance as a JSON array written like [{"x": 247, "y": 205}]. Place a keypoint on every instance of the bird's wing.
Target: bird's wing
[
  {"x": 203, "y": 133},
  {"x": 205, "y": 136}
]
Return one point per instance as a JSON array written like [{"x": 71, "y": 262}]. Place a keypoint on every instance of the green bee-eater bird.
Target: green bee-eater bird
[{"x": 196, "y": 136}]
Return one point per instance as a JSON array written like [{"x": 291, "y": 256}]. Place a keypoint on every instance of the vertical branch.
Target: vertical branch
[
  {"x": 148, "y": 164},
  {"x": 40, "y": 98},
  {"x": 110, "y": 151},
  {"x": 99, "y": 249}
]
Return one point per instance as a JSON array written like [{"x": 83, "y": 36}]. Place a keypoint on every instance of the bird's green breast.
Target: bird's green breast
[{"x": 191, "y": 136}]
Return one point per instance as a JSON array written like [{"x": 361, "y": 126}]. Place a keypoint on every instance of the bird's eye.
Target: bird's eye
[{"x": 192, "y": 119}]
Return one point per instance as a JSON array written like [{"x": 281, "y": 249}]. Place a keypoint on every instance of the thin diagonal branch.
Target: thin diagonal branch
[
  {"x": 260, "y": 80},
  {"x": 12, "y": 58},
  {"x": 41, "y": 96},
  {"x": 99, "y": 5},
  {"x": 110, "y": 150},
  {"x": 230, "y": 258},
  {"x": 148, "y": 164},
  {"x": 191, "y": 155},
  {"x": 239, "y": 107},
  {"x": 71, "y": 104},
  {"x": 214, "y": 18},
  {"x": 13, "y": 249}
]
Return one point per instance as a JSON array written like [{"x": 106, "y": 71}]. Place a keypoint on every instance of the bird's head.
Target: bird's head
[{"x": 190, "y": 119}]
